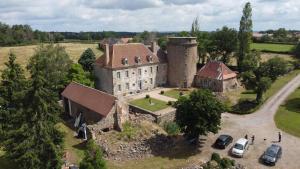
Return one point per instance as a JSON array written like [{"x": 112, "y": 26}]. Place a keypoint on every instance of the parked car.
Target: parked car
[
  {"x": 240, "y": 147},
  {"x": 223, "y": 141},
  {"x": 272, "y": 154}
]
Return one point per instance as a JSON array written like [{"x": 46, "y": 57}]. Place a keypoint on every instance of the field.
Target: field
[
  {"x": 150, "y": 104},
  {"x": 272, "y": 47},
  {"x": 287, "y": 117},
  {"x": 24, "y": 53}
]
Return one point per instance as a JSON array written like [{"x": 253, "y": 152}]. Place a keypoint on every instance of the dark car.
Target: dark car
[
  {"x": 223, "y": 141},
  {"x": 272, "y": 154}
]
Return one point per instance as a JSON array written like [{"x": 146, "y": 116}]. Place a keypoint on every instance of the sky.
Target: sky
[{"x": 151, "y": 15}]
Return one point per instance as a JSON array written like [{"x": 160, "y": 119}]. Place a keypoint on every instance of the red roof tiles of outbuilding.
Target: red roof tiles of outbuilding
[
  {"x": 90, "y": 98},
  {"x": 216, "y": 70}
]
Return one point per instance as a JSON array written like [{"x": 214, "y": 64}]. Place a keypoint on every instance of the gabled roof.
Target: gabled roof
[
  {"x": 90, "y": 98},
  {"x": 117, "y": 52},
  {"x": 216, "y": 70}
]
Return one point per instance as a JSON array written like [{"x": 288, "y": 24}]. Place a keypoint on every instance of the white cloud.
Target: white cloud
[{"x": 139, "y": 15}]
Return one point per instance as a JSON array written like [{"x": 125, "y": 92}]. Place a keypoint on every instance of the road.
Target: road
[{"x": 261, "y": 124}]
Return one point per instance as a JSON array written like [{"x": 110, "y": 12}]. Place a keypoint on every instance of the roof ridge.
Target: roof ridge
[{"x": 92, "y": 88}]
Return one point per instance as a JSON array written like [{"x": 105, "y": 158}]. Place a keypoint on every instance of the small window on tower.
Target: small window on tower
[
  {"x": 125, "y": 61},
  {"x": 150, "y": 58}
]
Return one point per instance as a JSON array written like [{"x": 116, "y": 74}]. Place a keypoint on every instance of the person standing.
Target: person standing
[
  {"x": 252, "y": 138},
  {"x": 246, "y": 136},
  {"x": 279, "y": 137}
]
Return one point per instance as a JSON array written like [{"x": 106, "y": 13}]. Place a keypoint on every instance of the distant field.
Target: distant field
[
  {"x": 272, "y": 47},
  {"x": 23, "y": 53}
]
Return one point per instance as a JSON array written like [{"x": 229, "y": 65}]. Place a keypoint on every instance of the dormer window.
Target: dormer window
[
  {"x": 137, "y": 59},
  {"x": 150, "y": 58},
  {"x": 125, "y": 61}
]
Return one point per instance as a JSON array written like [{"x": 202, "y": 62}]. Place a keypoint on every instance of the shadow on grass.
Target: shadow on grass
[
  {"x": 80, "y": 146},
  {"x": 248, "y": 92},
  {"x": 244, "y": 106},
  {"x": 293, "y": 105},
  {"x": 6, "y": 163},
  {"x": 173, "y": 147}
]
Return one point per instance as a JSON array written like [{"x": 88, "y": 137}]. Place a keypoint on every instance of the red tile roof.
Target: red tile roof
[
  {"x": 90, "y": 98},
  {"x": 130, "y": 51},
  {"x": 216, "y": 70}
]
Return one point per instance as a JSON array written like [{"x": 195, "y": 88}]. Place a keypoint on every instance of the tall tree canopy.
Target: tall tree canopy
[
  {"x": 199, "y": 113},
  {"x": 93, "y": 157},
  {"x": 87, "y": 60},
  {"x": 245, "y": 34},
  {"x": 53, "y": 63},
  {"x": 263, "y": 85},
  {"x": 297, "y": 50},
  {"x": 225, "y": 42}
]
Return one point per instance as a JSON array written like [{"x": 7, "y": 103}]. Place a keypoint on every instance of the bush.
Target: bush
[
  {"x": 226, "y": 163},
  {"x": 129, "y": 131},
  {"x": 216, "y": 157},
  {"x": 172, "y": 128},
  {"x": 147, "y": 96},
  {"x": 162, "y": 92},
  {"x": 180, "y": 93},
  {"x": 170, "y": 103}
]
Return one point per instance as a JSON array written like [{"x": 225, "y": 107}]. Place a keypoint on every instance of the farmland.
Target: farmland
[
  {"x": 282, "y": 48},
  {"x": 24, "y": 53}
]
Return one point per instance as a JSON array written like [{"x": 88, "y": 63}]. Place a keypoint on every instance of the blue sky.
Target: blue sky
[{"x": 151, "y": 15}]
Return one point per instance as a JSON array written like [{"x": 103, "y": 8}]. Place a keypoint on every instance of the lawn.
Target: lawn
[
  {"x": 287, "y": 116},
  {"x": 250, "y": 95},
  {"x": 272, "y": 47},
  {"x": 150, "y": 104},
  {"x": 175, "y": 93},
  {"x": 24, "y": 53}
]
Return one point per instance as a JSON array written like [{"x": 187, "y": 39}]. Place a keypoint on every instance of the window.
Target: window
[
  {"x": 149, "y": 58},
  {"x": 118, "y": 75},
  {"x": 151, "y": 81},
  {"x": 125, "y": 61},
  {"x": 137, "y": 59},
  {"x": 127, "y": 86},
  {"x": 151, "y": 70},
  {"x": 140, "y": 71},
  {"x": 156, "y": 68},
  {"x": 119, "y": 87},
  {"x": 127, "y": 73}
]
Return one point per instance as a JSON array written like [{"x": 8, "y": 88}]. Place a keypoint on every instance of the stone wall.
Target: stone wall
[
  {"x": 182, "y": 61},
  {"x": 104, "y": 79},
  {"x": 166, "y": 117},
  {"x": 207, "y": 83},
  {"x": 230, "y": 84}
]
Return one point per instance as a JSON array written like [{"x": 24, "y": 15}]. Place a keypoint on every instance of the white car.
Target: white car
[{"x": 240, "y": 147}]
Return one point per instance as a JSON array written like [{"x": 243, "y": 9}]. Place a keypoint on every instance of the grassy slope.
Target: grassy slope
[
  {"x": 24, "y": 53},
  {"x": 272, "y": 47},
  {"x": 287, "y": 117},
  {"x": 145, "y": 104}
]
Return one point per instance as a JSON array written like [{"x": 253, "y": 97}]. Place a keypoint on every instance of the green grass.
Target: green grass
[
  {"x": 272, "y": 47},
  {"x": 287, "y": 117},
  {"x": 275, "y": 87},
  {"x": 5, "y": 163},
  {"x": 145, "y": 104},
  {"x": 175, "y": 93}
]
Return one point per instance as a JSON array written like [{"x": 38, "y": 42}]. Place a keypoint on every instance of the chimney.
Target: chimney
[
  {"x": 154, "y": 47},
  {"x": 106, "y": 54}
]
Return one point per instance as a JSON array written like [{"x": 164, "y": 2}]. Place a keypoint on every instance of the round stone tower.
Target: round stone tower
[{"x": 182, "y": 61}]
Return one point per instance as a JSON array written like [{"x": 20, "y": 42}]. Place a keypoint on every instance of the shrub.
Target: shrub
[
  {"x": 162, "y": 92},
  {"x": 216, "y": 157},
  {"x": 170, "y": 103},
  {"x": 171, "y": 128},
  {"x": 147, "y": 96},
  {"x": 180, "y": 93},
  {"x": 129, "y": 131},
  {"x": 226, "y": 163}
]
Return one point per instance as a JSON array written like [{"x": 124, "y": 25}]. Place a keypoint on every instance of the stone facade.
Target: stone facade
[{"x": 182, "y": 61}]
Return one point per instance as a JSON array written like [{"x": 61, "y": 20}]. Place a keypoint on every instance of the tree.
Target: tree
[
  {"x": 204, "y": 46},
  {"x": 195, "y": 30},
  {"x": 36, "y": 142},
  {"x": 245, "y": 34},
  {"x": 251, "y": 61},
  {"x": 77, "y": 74},
  {"x": 183, "y": 34},
  {"x": 12, "y": 90},
  {"x": 162, "y": 42},
  {"x": 93, "y": 157},
  {"x": 262, "y": 86},
  {"x": 273, "y": 68},
  {"x": 225, "y": 42},
  {"x": 87, "y": 59},
  {"x": 297, "y": 50},
  {"x": 53, "y": 62},
  {"x": 199, "y": 114}
]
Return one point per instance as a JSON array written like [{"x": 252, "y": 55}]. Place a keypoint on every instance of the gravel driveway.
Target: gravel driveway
[{"x": 262, "y": 125}]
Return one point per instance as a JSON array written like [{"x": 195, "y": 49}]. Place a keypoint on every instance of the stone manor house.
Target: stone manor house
[{"x": 127, "y": 69}]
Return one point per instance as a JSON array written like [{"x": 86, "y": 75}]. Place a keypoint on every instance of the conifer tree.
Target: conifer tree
[{"x": 87, "y": 59}]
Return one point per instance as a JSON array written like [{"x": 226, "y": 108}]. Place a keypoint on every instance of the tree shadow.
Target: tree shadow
[
  {"x": 244, "y": 106},
  {"x": 173, "y": 147},
  {"x": 293, "y": 105},
  {"x": 80, "y": 146}
]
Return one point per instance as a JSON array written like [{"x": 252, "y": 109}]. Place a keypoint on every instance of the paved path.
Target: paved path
[{"x": 262, "y": 125}]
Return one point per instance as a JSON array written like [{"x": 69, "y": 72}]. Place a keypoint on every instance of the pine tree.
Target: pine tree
[
  {"x": 87, "y": 59},
  {"x": 245, "y": 34},
  {"x": 93, "y": 157},
  {"x": 12, "y": 88},
  {"x": 35, "y": 142},
  {"x": 195, "y": 28}
]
